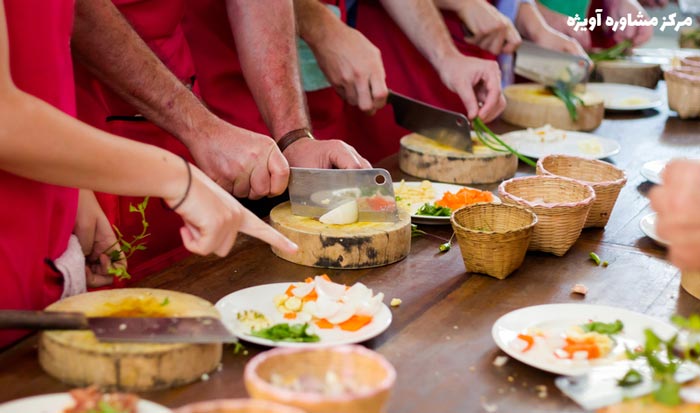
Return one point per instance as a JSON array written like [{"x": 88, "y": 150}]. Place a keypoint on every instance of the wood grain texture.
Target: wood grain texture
[
  {"x": 77, "y": 358},
  {"x": 630, "y": 73},
  {"x": 440, "y": 337},
  {"x": 423, "y": 158},
  {"x": 529, "y": 105},
  {"x": 358, "y": 245}
]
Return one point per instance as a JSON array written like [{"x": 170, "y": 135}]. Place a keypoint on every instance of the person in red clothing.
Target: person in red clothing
[{"x": 44, "y": 151}]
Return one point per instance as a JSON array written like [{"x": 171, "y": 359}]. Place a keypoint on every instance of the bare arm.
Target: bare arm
[
  {"x": 476, "y": 81},
  {"x": 81, "y": 156},
  {"x": 244, "y": 163}
]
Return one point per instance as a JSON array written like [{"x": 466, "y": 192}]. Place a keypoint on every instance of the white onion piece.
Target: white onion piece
[
  {"x": 346, "y": 213},
  {"x": 302, "y": 289},
  {"x": 328, "y": 288},
  {"x": 371, "y": 307},
  {"x": 326, "y": 308},
  {"x": 346, "y": 311}
]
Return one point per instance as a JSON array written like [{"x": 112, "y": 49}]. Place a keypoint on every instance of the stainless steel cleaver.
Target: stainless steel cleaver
[
  {"x": 549, "y": 67},
  {"x": 313, "y": 192},
  {"x": 444, "y": 126},
  {"x": 123, "y": 329}
]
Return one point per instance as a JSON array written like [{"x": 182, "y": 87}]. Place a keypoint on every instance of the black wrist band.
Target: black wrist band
[
  {"x": 293, "y": 136},
  {"x": 189, "y": 184}
]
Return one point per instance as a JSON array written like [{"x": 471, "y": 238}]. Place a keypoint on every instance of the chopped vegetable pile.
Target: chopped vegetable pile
[
  {"x": 295, "y": 333},
  {"x": 612, "y": 53},
  {"x": 465, "y": 196}
]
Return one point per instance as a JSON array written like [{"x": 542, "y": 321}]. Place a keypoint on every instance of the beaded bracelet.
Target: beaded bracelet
[
  {"x": 293, "y": 136},
  {"x": 189, "y": 185}
]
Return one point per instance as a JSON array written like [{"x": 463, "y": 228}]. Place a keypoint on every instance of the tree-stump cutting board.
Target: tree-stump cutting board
[
  {"x": 79, "y": 359},
  {"x": 532, "y": 106},
  {"x": 427, "y": 159},
  {"x": 358, "y": 245}
]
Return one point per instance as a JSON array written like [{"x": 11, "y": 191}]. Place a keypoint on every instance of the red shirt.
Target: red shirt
[{"x": 36, "y": 219}]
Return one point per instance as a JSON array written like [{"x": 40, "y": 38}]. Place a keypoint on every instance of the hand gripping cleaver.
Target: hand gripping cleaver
[
  {"x": 444, "y": 126},
  {"x": 123, "y": 329},
  {"x": 313, "y": 192}
]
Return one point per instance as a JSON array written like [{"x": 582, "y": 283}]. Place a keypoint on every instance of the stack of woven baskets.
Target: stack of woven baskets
[
  {"x": 683, "y": 87},
  {"x": 546, "y": 212}
]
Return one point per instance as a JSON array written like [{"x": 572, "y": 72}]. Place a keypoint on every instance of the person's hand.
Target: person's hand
[
  {"x": 535, "y": 28},
  {"x": 478, "y": 84},
  {"x": 489, "y": 29},
  {"x": 97, "y": 239},
  {"x": 557, "y": 21},
  {"x": 353, "y": 65},
  {"x": 242, "y": 162},
  {"x": 637, "y": 34},
  {"x": 213, "y": 218},
  {"x": 554, "y": 40},
  {"x": 333, "y": 153},
  {"x": 678, "y": 221}
]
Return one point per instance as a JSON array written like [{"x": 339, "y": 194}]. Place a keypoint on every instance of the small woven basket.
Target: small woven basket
[
  {"x": 561, "y": 205},
  {"x": 493, "y": 238},
  {"x": 605, "y": 179}
]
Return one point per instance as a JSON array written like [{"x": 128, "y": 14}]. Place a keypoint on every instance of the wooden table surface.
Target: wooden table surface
[{"x": 440, "y": 338}]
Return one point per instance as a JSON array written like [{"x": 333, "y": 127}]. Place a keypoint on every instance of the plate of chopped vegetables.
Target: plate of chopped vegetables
[
  {"x": 65, "y": 403},
  {"x": 314, "y": 312},
  {"x": 432, "y": 203},
  {"x": 570, "y": 339},
  {"x": 547, "y": 140}
]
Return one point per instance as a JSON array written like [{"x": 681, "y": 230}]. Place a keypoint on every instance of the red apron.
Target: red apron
[
  {"x": 158, "y": 22},
  {"x": 36, "y": 219}
]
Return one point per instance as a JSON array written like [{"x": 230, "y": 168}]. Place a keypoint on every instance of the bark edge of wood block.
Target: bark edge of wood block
[
  {"x": 358, "y": 245},
  {"x": 529, "y": 105},
  {"x": 78, "y": 359},
  {"x": 424, "y": 158}
]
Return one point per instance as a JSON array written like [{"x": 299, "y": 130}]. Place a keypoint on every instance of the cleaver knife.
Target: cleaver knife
[
  {"x": 123, "y": 329},
  {"x": 313, "y": 192},
  {"x": 549, "y": 67},
  {"x": 444, "y": 126}
]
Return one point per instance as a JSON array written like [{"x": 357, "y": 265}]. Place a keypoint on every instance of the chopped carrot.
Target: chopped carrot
[
  {"x": 323, "y": 323},
  {"x": 289, "y": 292},
  {"x": 588, "y": 345},
  {"x": 528, "y": 339},
  {"x": 355, "y": 322},
  {"x": 309, "y": 280},
  {"x": 312, "y": 296},
  {"x": 464, "y": 196},
  {"x": 325, "y": 277},
  {"x": 290, "y": 316}
]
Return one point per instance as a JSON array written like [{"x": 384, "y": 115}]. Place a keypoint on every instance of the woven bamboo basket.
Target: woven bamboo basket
[
  {"x": 561, "y": 205},
  {"x": 493, "y": 238},
  {"x": 690, "y": 281},
  {"x": 605, "y": 179},
  {"x": 683, "y": 90}
]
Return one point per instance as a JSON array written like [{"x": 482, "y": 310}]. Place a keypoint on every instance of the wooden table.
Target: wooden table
[{"x": 440, "y": 339}]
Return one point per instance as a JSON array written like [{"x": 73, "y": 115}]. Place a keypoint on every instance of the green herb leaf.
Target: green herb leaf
[
  {"x": 295, "y": 333},
  {"x": 631, "y": 378},
  {"x": 487, "y": 137},
  {"x": 434, "y": 210},
  {"x": 603, "y": 328},
  {"x": 165, "y": 302},
  {"x": 611, "y": 53},
  {"x": 594, "y": 257},
  {"x": 239, "y": 348},
  {"x": 445, "y": 247},
  {"x": 565, "y": 93},
  {"x": 669, "y": 392}
]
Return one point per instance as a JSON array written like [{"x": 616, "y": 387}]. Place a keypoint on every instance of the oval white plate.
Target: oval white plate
[
  {"x": 440, "y": 189},
  {"x": 573, "y": 144},
  {"x": 618, "y": 96},
  {"x": 58, "y": 402},
  {"x": 555, "y": 317},
  {"x": 652, "y": 170},
  {"x": 648, "y": 226},
  {"x": 260, "y": 298}
]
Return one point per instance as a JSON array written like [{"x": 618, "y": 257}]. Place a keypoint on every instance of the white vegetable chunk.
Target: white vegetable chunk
[{"x": 346, "y": 213}]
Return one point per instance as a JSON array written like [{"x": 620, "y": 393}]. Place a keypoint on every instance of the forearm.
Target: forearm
[
  {"x": 109, "y": 47},
  {"x": 529, "y": 21},
  {"x": 424, "y": 26},
  {"x": 264, "y": 32},
  {"x": 314, "y": 20},
  {"x": 39, "y": 142},
  {"x": 452, "y": 5}
]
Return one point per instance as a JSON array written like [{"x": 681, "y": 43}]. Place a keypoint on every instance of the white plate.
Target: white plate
[
  {"x": 440, "y": 190},
  {"x": 58, "y": 402},
  {"x": 260, "y": 298},
  {"x": 618, "y": 96},
  {"x": 560, "y": 317},
  {"x": 652, "y": 170},
  {"x": 648, "y": 226},
  {"x": 573, "y": 144}
]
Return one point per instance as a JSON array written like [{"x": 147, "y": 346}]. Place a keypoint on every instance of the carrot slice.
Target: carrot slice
[
  {"x": 309, "y": 280},
  {"x": 325, "y": 277},
  {"x": 289, "y": 292},
  {"x": 528, "y": 339},
  {"x": 323, "y": 323},
  {"x": 355, "y": 322},
  {"x": 290, "y": 316},
  {"x": 312, "y": 296}
]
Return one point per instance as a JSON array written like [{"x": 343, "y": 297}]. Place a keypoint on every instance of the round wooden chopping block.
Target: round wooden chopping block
[
  {"x": 427, "y": 159},
  {"x": 631, "y": 73},
  {"x": 358, "y": 245},
  {"x": 77, "y": 358},
  {"x": 531, "y": 106}
]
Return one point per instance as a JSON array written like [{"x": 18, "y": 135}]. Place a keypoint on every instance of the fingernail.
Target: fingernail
[{"x": 292, "y": 246}]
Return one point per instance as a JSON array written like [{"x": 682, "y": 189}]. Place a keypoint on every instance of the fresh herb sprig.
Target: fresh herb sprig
[
  {"x": 612, "y": 53},
  {"x": 490, "y": 140},
  {"x": 434, "y": 210},
  {"x": 603, "y": 328},
  {"x": 295, "y": 333},
  {"x": 125, "y": 249},
  {"x": 565, "y": 93},
  {"x": 444, "y": 247}
]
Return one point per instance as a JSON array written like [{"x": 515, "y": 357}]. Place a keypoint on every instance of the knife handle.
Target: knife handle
[{"x": 42, "y": 320}]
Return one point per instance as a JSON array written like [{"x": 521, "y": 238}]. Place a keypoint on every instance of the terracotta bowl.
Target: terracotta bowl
[
  {"x": 236, "y": 406},
  {"x": 284, "y": 375}
]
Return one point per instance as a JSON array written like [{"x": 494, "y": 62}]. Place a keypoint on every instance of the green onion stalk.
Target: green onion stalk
[{"x": 492, "y": 141}]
